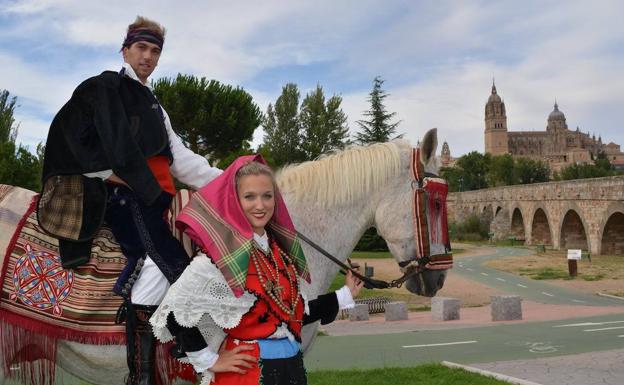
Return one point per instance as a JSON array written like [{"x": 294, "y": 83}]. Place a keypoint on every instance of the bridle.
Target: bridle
[{"x": 410, "y": 267}]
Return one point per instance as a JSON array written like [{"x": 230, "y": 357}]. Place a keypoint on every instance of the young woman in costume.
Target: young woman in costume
[{"x": 242, "y": 291}]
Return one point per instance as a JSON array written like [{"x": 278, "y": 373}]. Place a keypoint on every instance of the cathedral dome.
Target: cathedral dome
[
  {"x": 494, "y": 96},
  {"x": 556, "y": 114}
]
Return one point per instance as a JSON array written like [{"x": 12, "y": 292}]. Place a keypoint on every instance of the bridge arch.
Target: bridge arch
[
  {"x": 486, "y": 214},
  {"x": 516, "y": 228},
  {"x": 541, "y": 232},
  {"x": 612, "y": 230},
  {"x": 573, "y": 231}
]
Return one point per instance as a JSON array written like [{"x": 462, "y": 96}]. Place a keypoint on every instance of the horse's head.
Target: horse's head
[{"x": 411, "y": 217}]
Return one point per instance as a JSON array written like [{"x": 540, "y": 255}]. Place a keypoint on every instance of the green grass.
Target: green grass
[
  {"x": 371, "y": 254},
  {"x": 545, "y": 273},
  {"x": 431, "y": 374},
  {"x": 596, "y": 277}
]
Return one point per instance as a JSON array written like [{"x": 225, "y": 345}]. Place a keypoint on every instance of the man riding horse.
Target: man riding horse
[{"x": 111, "y": 156}]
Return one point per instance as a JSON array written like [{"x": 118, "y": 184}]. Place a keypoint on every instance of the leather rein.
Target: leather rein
[{"x": 410, "y": 268}]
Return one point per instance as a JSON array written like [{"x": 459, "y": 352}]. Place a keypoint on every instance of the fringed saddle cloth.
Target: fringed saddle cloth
[{"x": 40, "y": 302}]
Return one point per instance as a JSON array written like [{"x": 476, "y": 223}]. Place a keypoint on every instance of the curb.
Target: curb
[
  {"x": 487, "y": 373},
  {"x": 610, "y": 296}
]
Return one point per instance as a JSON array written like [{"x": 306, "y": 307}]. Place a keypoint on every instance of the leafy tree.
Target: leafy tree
[
  {"x": 8, "y": 130},
  {"x": 223, "y": 163},
  {"x": 500, "y": 172},
  {"x": 324, "y": 125},
  {"x": 528, "y": 171},
  {"x": 474, "y": 168},
  {"x": 377, "y": 127},
  {"x": 282, "y": 132},
  {"x": 583, "y": 171},
  {"x": 18, "y": 167},
  {"x": 602, "y": 162},
  {"x": 453, "y": 176},
  {"x": 214, "y": 119}
]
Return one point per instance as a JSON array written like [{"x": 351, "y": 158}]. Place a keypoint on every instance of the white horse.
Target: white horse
[{"x": 332, "y": 201}]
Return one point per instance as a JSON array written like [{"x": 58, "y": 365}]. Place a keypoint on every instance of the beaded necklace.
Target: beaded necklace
[{"x": 269, "y": 276}]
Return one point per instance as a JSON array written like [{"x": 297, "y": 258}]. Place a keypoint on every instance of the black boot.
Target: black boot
[{"x": 141, "y": 345}]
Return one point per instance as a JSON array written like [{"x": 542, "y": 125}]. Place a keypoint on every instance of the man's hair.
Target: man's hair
[
  {"x": 145, "y": 23},
  {"x": 255, "y": 168},
  {"x": 144, "y": 29}
]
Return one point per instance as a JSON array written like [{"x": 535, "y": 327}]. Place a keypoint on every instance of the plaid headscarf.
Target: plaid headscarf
[{"x": 215, "y": 220}]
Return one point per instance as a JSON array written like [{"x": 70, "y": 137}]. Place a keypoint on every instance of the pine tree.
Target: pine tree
[
  {"x": 18, "y": 167},
  {"x": 8, "y": 130},
  {"x": 282, "y": 131},
  {"x": 324, "y": 125},
  {"x": 378, "y": 126},
  {"x": 213, "y": 118}
]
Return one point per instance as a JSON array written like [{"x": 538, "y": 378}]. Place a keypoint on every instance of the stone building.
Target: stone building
[
  {"x": 445, "y": 156},
  {"x": 558, "y": 146}
]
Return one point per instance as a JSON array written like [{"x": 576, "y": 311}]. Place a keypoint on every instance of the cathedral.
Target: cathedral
[{"x": 558, "y": 146}]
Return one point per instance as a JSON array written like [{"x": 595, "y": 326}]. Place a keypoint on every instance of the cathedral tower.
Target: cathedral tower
[
  {"x": 496, "y": 142},
  {"x": 445, "y": 156}
]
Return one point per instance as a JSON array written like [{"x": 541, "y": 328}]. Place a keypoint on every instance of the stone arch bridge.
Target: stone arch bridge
[{"x": 583, "y": 214}]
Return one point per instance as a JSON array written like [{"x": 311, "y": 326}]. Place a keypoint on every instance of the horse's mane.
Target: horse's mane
[{"x": 343, "y": 176}]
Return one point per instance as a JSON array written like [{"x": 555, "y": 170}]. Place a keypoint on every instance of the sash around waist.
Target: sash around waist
[{"x": 277, "y": 348}]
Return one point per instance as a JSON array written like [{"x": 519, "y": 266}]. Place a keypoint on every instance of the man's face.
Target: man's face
[{"x": 143, "y": 58}]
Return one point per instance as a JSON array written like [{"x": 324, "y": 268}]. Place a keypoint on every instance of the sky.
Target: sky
[{"x": 438, "y": 58}]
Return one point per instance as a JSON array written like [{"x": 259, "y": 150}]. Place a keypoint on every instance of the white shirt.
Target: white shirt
[{"x": 189, "y": 168}]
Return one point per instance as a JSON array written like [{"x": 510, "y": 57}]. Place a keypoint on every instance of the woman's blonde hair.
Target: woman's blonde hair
[{"x": 255, "y": 168}]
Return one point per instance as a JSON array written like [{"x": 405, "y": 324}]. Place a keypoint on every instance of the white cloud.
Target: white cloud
[{"x": 437, "y": 58}]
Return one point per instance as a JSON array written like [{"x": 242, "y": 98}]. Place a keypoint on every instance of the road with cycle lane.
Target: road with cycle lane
[
  {"x": 501, "y": 342},
  {"x": 481, "y": 344}
]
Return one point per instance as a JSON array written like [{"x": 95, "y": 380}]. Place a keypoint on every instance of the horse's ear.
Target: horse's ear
[{"x": 428, "y": 146}]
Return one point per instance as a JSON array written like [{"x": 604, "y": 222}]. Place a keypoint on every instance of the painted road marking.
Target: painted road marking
[
  {"x": 469, "y": 269},
  {"x": 486, "y": 274},
  {"x": 597, "y": 330},
  {"x": 578, "y": 300},
  {"x": 548, "y": 294},
  {"x": 500, "y": 279},
  {"x": 589, "y": 324},
  {"x": 521, "y": 285},
  {"x": 441, "y": 344}
]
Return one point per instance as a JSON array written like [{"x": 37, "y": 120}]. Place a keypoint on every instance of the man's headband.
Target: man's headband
[{"x": 143, "y": 34}]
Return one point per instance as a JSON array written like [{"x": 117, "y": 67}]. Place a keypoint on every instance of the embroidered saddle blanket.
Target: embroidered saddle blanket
[{"x": 40, "y": 302}]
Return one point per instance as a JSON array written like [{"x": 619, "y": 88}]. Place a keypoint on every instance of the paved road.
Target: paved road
[
  {"x": 534, "y": 290},
  {"x": 470, "y": 345},
  {"x": 579, "y": 351}
]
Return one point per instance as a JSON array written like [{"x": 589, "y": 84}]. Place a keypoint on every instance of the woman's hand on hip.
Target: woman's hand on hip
[{"x": 234, "y": 360}]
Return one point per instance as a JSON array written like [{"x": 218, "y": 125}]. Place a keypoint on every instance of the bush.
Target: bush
[
  {"x": 371, "y": 241},
  {"x": 472, "y": 229}
]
